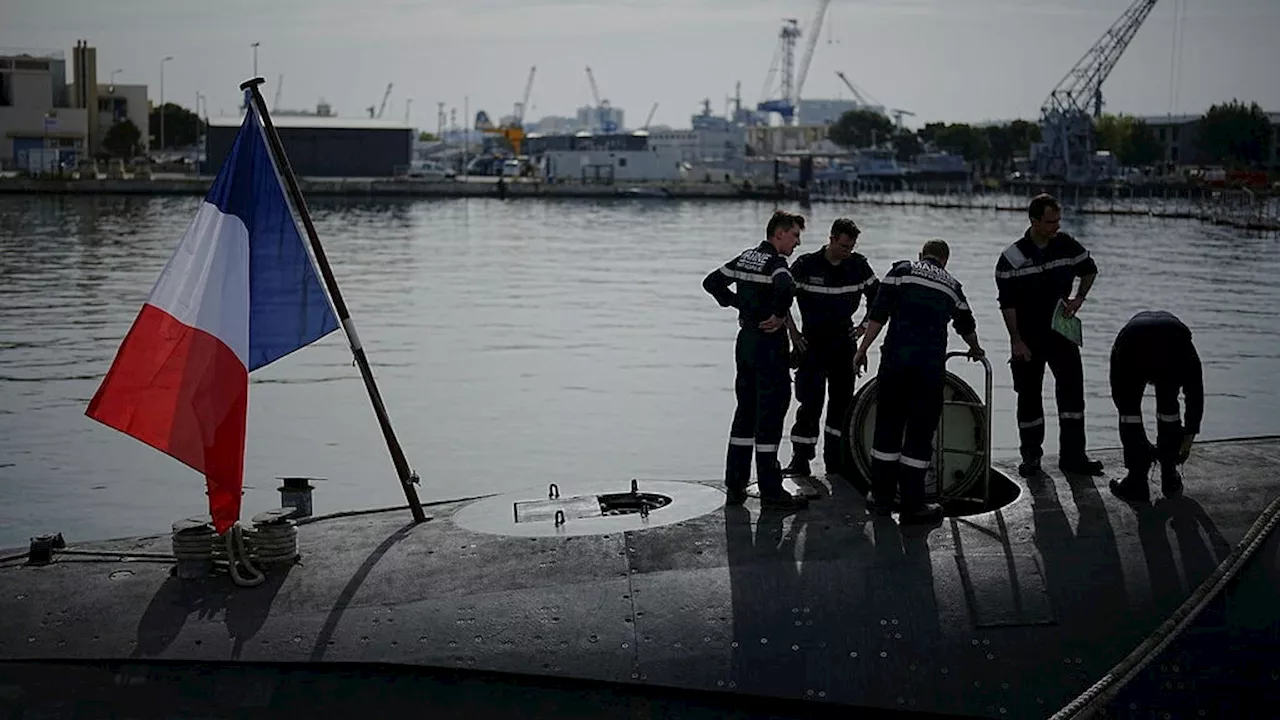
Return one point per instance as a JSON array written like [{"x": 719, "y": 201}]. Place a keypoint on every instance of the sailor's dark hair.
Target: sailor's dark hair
[
  {"x": 845, "y": 226},
  {"x": 936, "y": 249},
  {"x": 1040, "y": 203},
  {"x": 782, "y": 220}
]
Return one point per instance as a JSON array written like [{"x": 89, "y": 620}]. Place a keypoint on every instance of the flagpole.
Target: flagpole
[{"x": 407, "y": 476}]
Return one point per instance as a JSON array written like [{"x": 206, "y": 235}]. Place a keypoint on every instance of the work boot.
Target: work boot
[
  {"x": 783, "y": 500},
  {"x": 1081, "y": 466},
  {"x": 880, "y": 509},
  {"x": 797, "y": 468},
  {"x": 1170, "y": 481},
  {"x": 921, "y": 515},
  {"x": 735, "y": 496},
  {"x": 1132, "y": 489},
  {"x": 1030, "y": 468}
]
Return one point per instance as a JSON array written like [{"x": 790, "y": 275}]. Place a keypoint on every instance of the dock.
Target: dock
[
  {"x": 696, "y": 609},
  {"x": 476, "y": 187}
]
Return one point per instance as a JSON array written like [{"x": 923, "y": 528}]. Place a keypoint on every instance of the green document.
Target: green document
[{"x": 1068, "y": 327}]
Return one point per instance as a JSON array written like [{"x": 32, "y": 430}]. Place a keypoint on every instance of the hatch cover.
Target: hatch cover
[{"x": 590, "y": 508}]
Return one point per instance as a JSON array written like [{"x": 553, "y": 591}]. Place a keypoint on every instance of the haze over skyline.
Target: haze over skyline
[{"x": 946, "y": 60}]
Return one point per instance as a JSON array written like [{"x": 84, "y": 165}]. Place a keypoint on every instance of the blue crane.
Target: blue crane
[{"x": 784, "y": 82}]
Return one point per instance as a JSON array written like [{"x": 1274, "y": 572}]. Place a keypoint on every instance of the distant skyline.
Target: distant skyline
[{"x": 946, "y": 60}]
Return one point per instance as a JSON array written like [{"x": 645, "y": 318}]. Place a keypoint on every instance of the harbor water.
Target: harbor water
[{"x": 522, "y": 343}]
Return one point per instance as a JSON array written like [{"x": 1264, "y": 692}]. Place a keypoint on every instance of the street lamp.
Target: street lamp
[
  {"x": 200, "y": 98},
  {"x": 255, "y": 58},
  {"x": 111, "y": 87},
  {"x": 163, "y": 60}
]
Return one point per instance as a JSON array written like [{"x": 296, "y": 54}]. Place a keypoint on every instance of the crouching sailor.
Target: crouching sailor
[
  {"x": 1155, "y": 348},
  {"x": 917, "y": 300},
  {"x": 765, "y": 290}
]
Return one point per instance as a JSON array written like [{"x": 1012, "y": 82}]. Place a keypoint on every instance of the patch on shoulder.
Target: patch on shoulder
[{"x": 1015, "y": 256}]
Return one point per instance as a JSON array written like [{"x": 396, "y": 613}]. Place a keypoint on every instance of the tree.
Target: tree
[
  {"x": 906, "y": 146},
  {"x": 1111, "y": 133},
  {"x": 1129, "y": 139},
  {"x": 181, "y": 126},
  {"x": 1021, "y": 135},
  {"x": 1144, "y": 149},
  {"x": 1000, "y": 147},
  {"x": 860, "y": 129},
  {"x": 1235, "y": 134},
  {"x": 427, "y": 137},
  {"x": 964, "y": 140},
  {"x": 122, "y": 139},
  {"x": 929, "y": 133}
]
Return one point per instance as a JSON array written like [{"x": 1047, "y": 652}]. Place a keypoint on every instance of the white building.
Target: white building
[
  {"x": 36, "y": 113},
  {"x": 782, "y": 139},
  {"x": 602, "y": 158},
  {"x": 63, "y": 122}
]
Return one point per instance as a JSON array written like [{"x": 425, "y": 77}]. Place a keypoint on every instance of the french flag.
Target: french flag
[{"x": 239, "y": 293}]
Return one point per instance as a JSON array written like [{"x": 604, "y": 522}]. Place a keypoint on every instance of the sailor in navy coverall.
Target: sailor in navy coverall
[
  {"x": 1032, "y": 275},
  {"x": 765, "y": 290},
  {"x": 830, "y": 285},
  {"x": 917, "y": 300},
  {"x": 1155, "y": 348}
]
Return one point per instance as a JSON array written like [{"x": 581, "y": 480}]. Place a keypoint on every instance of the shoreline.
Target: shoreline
[
  {"x": 380, "y": 187},
  {"x": 1250, "y": 214}
]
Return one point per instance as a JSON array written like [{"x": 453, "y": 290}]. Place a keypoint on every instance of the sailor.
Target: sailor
[
  {"x": 765, "y": 289},
  {"x": 917, "y": 299},
  {"x": 1155, "y": 348},
  {"x": 1032, "y": 275},
  {"x": 830, "y": 285}
]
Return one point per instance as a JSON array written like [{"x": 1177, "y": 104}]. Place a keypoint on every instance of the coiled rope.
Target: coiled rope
[
  {"x": 1091, "y": 700},
  {"x": 236, "y": 554}
]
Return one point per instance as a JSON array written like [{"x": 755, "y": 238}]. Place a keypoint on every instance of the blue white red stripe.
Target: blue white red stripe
[{"x": 239, "y": 293}]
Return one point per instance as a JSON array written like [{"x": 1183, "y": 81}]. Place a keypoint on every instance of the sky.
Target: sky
[{"x": 945, "y": 60}]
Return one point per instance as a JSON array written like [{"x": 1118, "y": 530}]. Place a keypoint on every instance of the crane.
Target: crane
[
  {"x": 606, "y": 124},
  {"x": 791, "y": 80},
  {"x": 897, "y": 116},
  {"x": 514, "y": 130},
  {"x": 862, "y": 99},
  {"x": 1066, "y": 118},
  {"x": 524, "y": 101},
  {"x": 381, "y": 108},
  {"x": 275, "y": 104},
  {"x": 649, "y": 119}
]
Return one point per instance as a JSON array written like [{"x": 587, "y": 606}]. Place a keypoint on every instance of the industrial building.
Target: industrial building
[
  {"x": 36, "y": 112},
  {"x": 63, "y": 123},
  {"x": 602, "y": 158},
  {"x": 1178, "y": 137},
  {"x": 320, "y": 146}
]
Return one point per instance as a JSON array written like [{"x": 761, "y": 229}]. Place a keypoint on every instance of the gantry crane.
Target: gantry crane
[
  {"x": 1066, "y": 150},
  {"x": 897, "y": 116},
  {"x": 649, "y": 119},
  {"x": 604, "y": 122},
  {"x": 863, "y": 99},
  {"x": 790, "y": 80},
  {"x": 514, "y": 130},
  {"x": 381, "y": 108}
]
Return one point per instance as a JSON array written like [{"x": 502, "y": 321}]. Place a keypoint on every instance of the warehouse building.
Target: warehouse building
[{"x": 326, "y": 146}]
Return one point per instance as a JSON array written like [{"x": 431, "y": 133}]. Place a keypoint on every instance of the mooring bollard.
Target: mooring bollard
[{"x": 295, "y": 492}]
